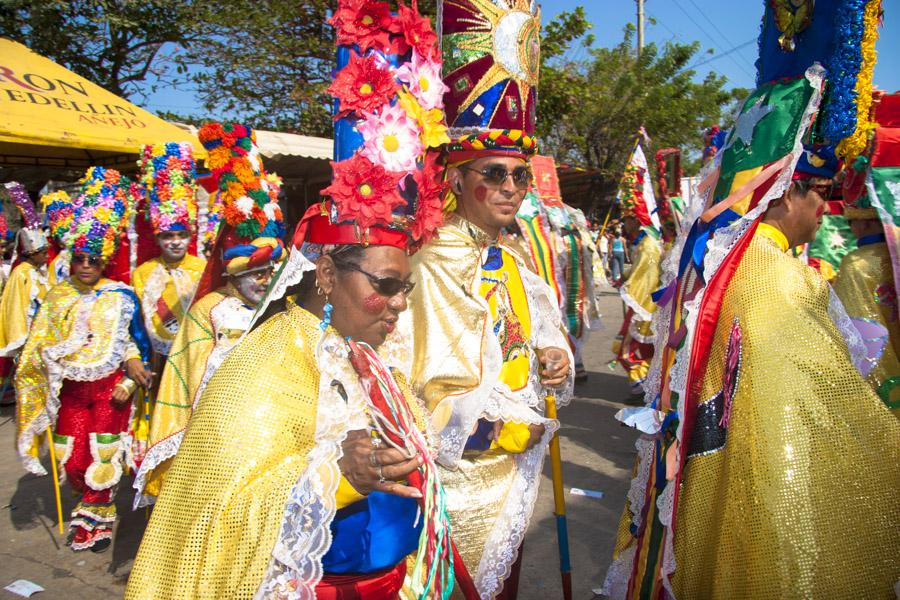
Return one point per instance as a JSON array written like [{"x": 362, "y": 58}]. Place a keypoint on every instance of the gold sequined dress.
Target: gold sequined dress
[
  {"x": 865, "y": 284},
  {"x": 249, "y": 499},
  {"x": 19, "y": 304},
  {"x": 69, "y": 366},
  {"x": 477, "y": 315},
  {"x": 789, "y": 489},
  {"x": 210, "y": 330}
]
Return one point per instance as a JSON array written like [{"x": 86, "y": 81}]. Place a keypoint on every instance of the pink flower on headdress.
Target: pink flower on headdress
[
  {"x": 423, "y": 78},
  {"x": 391, "y": 139}
]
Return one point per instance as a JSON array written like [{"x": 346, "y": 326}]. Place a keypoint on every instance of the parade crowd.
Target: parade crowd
[{"x": 361, "y": 407}]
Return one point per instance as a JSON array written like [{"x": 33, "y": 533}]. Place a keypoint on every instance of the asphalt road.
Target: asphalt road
[{"x": 597, "y": 455}]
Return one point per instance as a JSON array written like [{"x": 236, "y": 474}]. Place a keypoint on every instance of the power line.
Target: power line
[
  {"x": 722, "y": 55},
  {"x": 713, "y": 40}
]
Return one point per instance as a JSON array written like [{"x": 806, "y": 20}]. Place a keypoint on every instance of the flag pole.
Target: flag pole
[
  {"x": 59, "y": 515},
  {"x": 559, "y": 501}
]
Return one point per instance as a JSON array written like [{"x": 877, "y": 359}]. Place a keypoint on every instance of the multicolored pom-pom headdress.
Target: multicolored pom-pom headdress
[
  {"x": 389, "y": 128},
  {"x": 99, "y": 216},
  {"x": 252, "y": 222},
  {"x": 491, "y": 51},
  {"x": 168, "y": 176}
]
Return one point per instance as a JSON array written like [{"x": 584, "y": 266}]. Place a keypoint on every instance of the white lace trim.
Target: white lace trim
[
  {"x": 505, "y": 539},
  {"x": 855, "y": 345},
  {"x": 153, "y": 291},
  {"x": 290, "y": 274},
  {"x": 155, "y": 456},
  {"x": 305, "y": 535},
  {"x": 634, "y": 305}
]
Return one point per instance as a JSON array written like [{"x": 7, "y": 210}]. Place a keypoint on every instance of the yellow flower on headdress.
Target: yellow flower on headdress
[{"x": 431, "y": 122}]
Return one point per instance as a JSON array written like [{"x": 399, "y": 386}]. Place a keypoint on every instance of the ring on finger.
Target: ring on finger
[
  {"x": 381, "y": 478},
  {"x": 373, "y": 459}
]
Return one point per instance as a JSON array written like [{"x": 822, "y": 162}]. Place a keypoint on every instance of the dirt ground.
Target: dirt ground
[{"x": 597, "y": 455}]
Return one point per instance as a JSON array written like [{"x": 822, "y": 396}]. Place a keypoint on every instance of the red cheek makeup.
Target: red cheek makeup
[{"x": 374, "y": 304}]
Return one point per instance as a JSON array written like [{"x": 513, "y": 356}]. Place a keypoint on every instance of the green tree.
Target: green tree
[
  {"x": 119, "y": 44},
  {"x": 270, "y": 62},
  {"x": 590, "y": 111}
]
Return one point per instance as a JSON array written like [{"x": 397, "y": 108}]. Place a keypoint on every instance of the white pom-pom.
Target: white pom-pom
[
  {"x": 245, "y": 205},
  {"x": 269, "y": 209}
]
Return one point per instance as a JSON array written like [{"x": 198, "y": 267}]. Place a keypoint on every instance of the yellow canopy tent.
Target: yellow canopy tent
[{"x": 51, "y": 117}]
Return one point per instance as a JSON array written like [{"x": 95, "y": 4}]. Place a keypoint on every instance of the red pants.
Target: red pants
[
  {"x": 381, "y": 585},
  {"x": 88, "y": 440}
]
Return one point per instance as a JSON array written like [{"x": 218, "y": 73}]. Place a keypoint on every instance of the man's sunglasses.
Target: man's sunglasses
[
  {"x": 386, "y": 286},
  {"x": 496, "y": 175},
  {"x": 86, "y": 259}
]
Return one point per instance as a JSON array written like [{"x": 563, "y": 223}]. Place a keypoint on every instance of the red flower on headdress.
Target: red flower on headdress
[
  {"x": 362, "y": 86},
  {"x": 362, "y": 22},
  {"x": 363, "y": 191},
  {"x": 430, "y": 208},
  {"x": 416, "y": 31}
]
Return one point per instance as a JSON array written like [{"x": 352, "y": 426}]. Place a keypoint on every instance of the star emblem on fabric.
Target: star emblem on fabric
[
  {"x": 747, "y": 122},
  {"x": 836, "y": 240}
]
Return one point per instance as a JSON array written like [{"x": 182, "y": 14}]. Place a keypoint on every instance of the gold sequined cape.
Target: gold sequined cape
[
  {"x": 642, "y": 281},
  {"x": 865, "y": 284},
  {"x": 797, "y": 496},
  {"x": 249, "y": 441},
  {"x": 214, "y": 322},
  {"x": 174, "y": 284},
  {"x": 456, "y": 369},
  {"x": 78, "y": 334},
  {"x": 23, "y": 293}
]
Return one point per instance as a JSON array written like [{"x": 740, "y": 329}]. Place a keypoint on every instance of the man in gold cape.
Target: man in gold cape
[
  {"x": 24, "y": 292},
  {"x": 634, "y": 344},
  {"x": 789, "y": 485},
  {"x": 212, "y": 327}
]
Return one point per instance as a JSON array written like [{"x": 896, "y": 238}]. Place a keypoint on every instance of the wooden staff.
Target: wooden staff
[
  {"x": 59, "y": 515},
  {"x": 559, "y": 501}
]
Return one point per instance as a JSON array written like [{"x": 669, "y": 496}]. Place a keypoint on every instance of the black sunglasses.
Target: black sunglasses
[
  {"x": 86, "y": 259},
  {"x": 496, "y": 175},
  {"x": 386, "y": 286}
]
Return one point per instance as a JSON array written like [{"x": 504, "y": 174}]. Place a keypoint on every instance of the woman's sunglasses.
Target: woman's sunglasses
[
  {"x": 496, "y": 175},
  {"x": 86, "y": 259},
  {"x": 386, "y": 286}
]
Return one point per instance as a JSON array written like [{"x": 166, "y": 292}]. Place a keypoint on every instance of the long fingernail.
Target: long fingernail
[{"x": 417, "y": 494}]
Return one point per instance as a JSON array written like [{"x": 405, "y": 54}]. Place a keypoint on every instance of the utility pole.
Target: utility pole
[{"x": 640, "y": 26}]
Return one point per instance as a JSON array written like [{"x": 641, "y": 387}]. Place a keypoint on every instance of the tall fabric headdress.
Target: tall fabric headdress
[
  {"x": 389, "y": 124},
  {"x": 100, "y": 213},
  {"x": 30, "y": 237},
  {"x": 167, "y": 174},
  {"x": 840, "y": 35},
  {"x": 635, "y": 195},
  {"x": 251, "y": 238},
  {"x": 492, "y": 57}
]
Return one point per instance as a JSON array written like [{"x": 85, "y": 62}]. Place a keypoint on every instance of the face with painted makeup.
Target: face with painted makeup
[
  {"x": 355, "y": 286},
  {"x": 173, "y": 244},
  {"x": 252, "y": 285},
  {"x": 489, "y": 206}
]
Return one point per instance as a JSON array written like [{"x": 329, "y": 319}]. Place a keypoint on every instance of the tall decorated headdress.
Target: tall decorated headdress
[
  {"x": 253, "y": 225},
  {"x": 100, "y": 213},
  {"x": 492, "y": 56},
  {"x": 635, "y": 196},
  {"x": 30, "y": 237},
  {"x": 167, "y": 172},
  {"x": 388, "y": 129},
  {"x": 58, "y": 210},
  {"x": 668, "y": 182}
]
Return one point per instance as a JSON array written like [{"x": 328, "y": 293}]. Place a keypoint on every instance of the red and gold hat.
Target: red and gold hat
[{"x": 492, "y": 55}]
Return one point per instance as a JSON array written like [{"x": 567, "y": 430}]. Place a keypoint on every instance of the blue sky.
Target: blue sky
[{"x": 728, "y": 27}]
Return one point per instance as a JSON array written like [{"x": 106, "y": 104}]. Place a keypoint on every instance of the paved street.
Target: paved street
[{"x": 597, "y": 455}]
